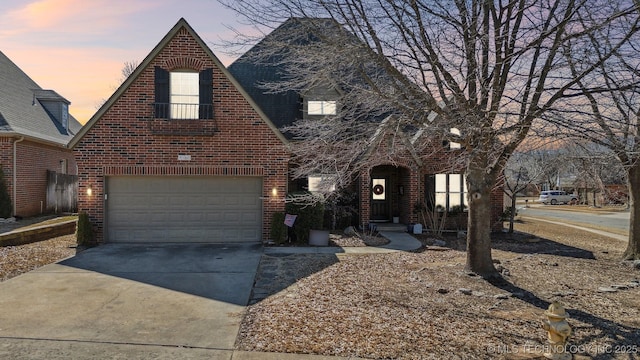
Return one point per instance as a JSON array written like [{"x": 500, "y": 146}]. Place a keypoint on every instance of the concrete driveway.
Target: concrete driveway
[{"x": 130, "y": 301}]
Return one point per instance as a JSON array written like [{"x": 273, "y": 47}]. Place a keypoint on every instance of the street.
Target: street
[{"x": 618, "y": 220}]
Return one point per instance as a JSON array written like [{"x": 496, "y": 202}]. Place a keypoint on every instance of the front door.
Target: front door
[{"x": 380, "y": 200}]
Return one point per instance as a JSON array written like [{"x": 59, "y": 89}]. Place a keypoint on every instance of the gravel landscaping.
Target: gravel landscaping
[
  {"x": 423, "y": 306},
  {"x": 15, "y": 260}
]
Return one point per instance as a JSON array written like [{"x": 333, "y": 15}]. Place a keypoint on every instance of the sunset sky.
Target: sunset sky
[{"x": 78, "y": 47}]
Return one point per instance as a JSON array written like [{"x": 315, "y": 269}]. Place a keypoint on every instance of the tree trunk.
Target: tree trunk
[
  {"x": 479, "y": 259},
  {"x": 512, "y": 213},
  {"x": 633, "y": 247}
]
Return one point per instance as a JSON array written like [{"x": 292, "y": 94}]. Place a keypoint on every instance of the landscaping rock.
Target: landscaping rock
[
  {"x": 439, "y": 242},
  {"x": 465, "y": 291},
  {"x": 604, "y": 289},
  {"x": 620, "y": 287}
]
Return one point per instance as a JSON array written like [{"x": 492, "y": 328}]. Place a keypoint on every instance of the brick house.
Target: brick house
[
  {"x": 180, "y": 152},
  {"x": 188, "y": 150},
  {"x": 390, "y": 189},
  {"x": 35, "y": 127}
]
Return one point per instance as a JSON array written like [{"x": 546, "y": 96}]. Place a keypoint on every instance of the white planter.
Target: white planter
[
  {"x": 318, "y": 237},
  {"x": 396, "y": 220}
]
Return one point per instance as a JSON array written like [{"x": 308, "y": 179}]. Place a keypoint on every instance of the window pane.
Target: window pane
[
  {"x": 441, "y": 201},
  {"x": 454, "y": 183},
  {"x": 329, "y": 107},
  {"x": 322, "y": 183},
  {"x": 379, "y": 189},
  {"x": 184, "y": 95},
  {"x": 441, "y": 183},
  {"x": 455, "y": 145},
  {"x": 316, "y": 107},
  {"x": 455, "y": 199}
]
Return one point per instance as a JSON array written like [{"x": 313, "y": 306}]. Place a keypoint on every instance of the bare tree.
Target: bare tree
[
  {"x": 608, "y": 117},
  {"x": 489, "y": 69},
  {"x": 522, "y": 170},
  {"x": 593, "y": 167},
  {"x": 127, "y": 69}
]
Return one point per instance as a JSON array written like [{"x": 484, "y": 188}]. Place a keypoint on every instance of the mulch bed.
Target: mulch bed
[{"x": 422, "y": 305}]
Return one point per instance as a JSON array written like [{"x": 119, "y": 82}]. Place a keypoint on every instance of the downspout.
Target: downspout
[{"x": 15, "y": 173}]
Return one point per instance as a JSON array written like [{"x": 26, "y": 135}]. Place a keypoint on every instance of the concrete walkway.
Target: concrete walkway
[{"x": 398, "y": 241}]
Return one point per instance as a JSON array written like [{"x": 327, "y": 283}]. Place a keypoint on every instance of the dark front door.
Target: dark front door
[{"x": 380, "y": 200}]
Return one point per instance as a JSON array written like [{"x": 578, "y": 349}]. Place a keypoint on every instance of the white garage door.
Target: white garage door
[{"x": 144, "y": 209}]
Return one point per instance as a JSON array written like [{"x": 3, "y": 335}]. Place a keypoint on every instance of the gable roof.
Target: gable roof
[
  {"x": 21, "y": 110},
  {"x": 182, "y": 23},
  {"x": 267, "y": 63},
  {"x": 252, "y": 71}
]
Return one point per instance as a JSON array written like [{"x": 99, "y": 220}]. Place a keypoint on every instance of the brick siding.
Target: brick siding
[
  {"x": 124, "y": 141},
  {"x": 33, "y": 161}
]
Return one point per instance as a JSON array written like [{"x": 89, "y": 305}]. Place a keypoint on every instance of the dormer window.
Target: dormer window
[
  {"x": 55, "y": 105},
  {"x": 65, "y": 116},
  {"x": 183, "y": 94},
  {"x": 321, "y": 107}
]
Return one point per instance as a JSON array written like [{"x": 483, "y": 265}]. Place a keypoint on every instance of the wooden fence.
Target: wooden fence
[{"x": 62, "y": 192}]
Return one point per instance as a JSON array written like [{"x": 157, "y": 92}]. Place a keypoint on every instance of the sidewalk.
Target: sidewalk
[{"x": 595, "y": 231}]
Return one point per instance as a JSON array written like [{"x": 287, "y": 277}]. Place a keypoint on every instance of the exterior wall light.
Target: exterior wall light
[
  {"x": 89, "y": 191},
  {"x": 274, "y": 192}
]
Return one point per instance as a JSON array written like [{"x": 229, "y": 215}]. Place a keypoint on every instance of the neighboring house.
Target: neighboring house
[
  {"x": 181, "y": 153},
  {"x": 35, "y": 127},
  {"x": 390, "y": 187}
]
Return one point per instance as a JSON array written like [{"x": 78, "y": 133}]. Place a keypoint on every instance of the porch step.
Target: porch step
[{"x": 389, "y": 227}]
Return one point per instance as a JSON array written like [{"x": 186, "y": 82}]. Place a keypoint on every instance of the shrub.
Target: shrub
[
  {"x": 5, "y": 199},
  {"x": 278, "y": 228},
  {"x": 310, "y": 212},
  {"x": 84, "y": 232}
]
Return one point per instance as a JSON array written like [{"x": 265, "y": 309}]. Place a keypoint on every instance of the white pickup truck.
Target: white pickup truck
[{"x": 554, "y": 197}]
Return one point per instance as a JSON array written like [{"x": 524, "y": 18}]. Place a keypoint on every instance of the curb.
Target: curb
[{"x": 40, "y": 233}]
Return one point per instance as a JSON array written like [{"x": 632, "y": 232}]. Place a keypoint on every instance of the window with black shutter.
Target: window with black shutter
[{"x": 183, "y": 94}]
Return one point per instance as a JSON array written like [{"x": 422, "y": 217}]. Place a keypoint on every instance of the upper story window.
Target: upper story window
[
  {"x": 321, "y": 107},
  {"x": 65, "y": 116},
  {"x": 455, "y": 145},
  {"x": 183, "y": 94}
]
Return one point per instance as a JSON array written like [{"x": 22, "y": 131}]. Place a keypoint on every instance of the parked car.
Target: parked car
[{"x": 554, "y": 197}]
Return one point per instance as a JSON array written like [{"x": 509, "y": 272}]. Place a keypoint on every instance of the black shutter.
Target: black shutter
[
  {"x": 430, "y": 192},
  {"x": 206, "y": 94},
  {"x": 161, "y": 106}
]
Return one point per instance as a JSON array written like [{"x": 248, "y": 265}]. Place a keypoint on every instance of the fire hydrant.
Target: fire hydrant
[{"x": 558, "y": 330}]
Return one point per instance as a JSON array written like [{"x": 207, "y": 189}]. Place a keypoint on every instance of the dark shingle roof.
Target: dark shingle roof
[
  {"x": 21, "y": 111},
  {"x": 252, "y": 71}
]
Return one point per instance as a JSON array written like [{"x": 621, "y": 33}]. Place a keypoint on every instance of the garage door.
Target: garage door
[{"x": 183, "y": 209}]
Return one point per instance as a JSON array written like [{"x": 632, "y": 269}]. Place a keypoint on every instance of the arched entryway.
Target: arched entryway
[{"x": 389, "y": 194}]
